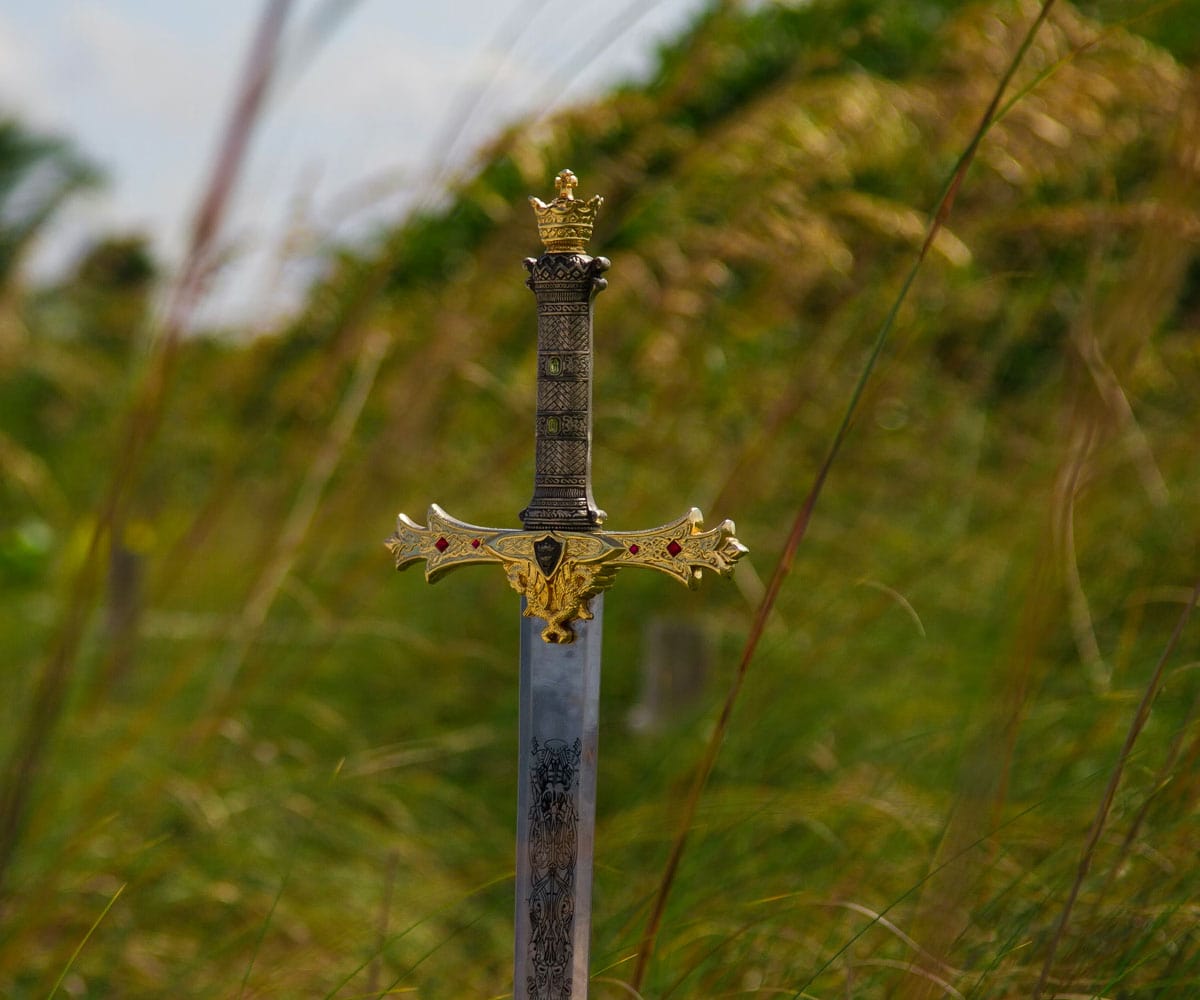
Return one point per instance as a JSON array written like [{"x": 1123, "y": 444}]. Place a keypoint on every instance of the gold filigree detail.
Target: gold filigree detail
[
  {"x": 565, "y": 225},
  {"x": 561, "y": 598},
  {"x": 681, "y": 549},
  {"x": 558, "y": 573}
]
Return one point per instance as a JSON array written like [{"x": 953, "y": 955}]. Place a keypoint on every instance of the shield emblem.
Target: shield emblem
[{"x": 548, "y": 553}]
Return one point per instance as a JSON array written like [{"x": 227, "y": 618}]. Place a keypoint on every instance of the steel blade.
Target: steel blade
[{"x": 556, "y": 809}]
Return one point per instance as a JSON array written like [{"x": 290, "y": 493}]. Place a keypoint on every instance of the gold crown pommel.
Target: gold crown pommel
[{"x": 565, "y": 225}]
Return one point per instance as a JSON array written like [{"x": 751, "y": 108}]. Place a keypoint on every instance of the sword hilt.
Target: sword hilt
[
  {"x": 565, "y": 285},
  {"x": 564, "y": 280},
  {"x": 562, "y": 558}
]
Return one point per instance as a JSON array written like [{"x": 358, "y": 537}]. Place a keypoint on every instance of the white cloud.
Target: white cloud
[{"x": 146, "y": 70}]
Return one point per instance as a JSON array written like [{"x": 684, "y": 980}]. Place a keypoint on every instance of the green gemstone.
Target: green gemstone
[
  {"x": 552, "y": 425},
  {"x": 554, "y": 366}
]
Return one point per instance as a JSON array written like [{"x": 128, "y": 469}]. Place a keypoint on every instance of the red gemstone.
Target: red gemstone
[
  {"x": 674, "y": 547},
  {"x": 474, "y": 543},
  {"x": 634, "y": 549},
  {"x": 441, "y": 545}
]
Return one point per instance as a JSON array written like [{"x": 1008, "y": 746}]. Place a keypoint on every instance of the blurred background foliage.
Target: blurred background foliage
[{"x": 301, "y": 768}]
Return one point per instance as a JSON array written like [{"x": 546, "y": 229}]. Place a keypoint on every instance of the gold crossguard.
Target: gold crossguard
[{"x": 559, "y": 572}]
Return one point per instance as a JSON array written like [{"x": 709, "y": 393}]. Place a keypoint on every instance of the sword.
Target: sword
[{"x": 560, "y": 561}]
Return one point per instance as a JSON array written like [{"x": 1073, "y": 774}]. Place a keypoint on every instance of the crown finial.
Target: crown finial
[{"x": 565, "y": 225}]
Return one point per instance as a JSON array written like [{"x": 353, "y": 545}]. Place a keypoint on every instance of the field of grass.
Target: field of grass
[{"x": 243, "y": 758}]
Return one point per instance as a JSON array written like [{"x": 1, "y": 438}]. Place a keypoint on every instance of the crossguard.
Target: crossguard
[{"x": 558, "y": 572}]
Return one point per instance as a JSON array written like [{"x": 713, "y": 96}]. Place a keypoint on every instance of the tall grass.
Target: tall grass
[{"x": 54, "y": 676}]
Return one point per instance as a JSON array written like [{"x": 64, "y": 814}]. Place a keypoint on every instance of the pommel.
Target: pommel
[{"x": 565, "y": 225}]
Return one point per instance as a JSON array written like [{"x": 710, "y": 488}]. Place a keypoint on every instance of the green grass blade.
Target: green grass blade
[{"x": 78, "y": 948}]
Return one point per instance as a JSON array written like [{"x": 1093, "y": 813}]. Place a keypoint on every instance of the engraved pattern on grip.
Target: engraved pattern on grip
[
  {"x": 563, "y": 365},
  {"x": 567, "y": 455},
  {"x": 562, "y": 396},
  {"x": 567, "y": 425},
  {"x": 564, "y": 285},
  {"x": 567, "y": 332}
]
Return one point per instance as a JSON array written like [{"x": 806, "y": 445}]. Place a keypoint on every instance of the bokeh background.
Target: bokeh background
[{"x": 276, "y": 296}]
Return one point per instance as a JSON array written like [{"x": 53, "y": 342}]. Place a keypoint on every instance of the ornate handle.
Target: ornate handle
[
  {"x": 561, "y": 558},
  {"x": 564, "y": 284}
]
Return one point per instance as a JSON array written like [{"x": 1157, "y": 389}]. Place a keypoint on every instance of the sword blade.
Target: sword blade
[{"x": 556, "y": 809}]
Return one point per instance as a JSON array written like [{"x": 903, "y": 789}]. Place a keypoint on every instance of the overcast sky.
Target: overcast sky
[{"x": 143, "y": 87}]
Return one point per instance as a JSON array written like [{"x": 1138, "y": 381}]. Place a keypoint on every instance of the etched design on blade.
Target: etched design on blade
[{"x": 553, "y": 838}]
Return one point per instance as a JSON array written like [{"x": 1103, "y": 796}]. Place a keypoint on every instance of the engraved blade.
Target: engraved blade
[{"x": 556, "y": 809}]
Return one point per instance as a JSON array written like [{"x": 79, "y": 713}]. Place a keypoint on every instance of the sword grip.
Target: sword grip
[{"x": 564, "y": 285}]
